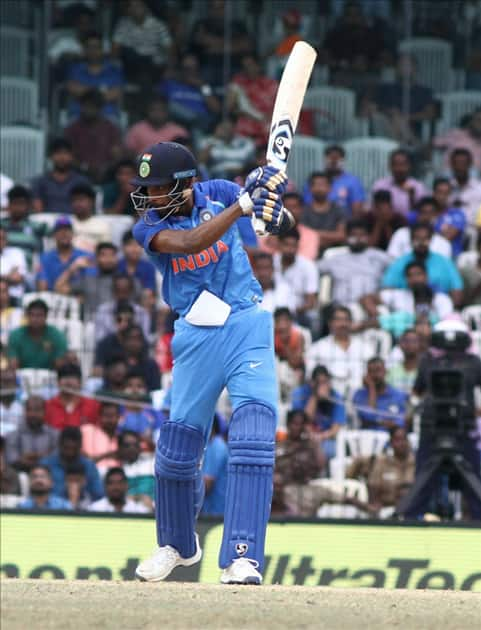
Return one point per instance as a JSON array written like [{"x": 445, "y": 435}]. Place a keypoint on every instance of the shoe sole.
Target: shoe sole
[
  {"x": 185, "y": 563},
  {"x": 249, "y": 581}
]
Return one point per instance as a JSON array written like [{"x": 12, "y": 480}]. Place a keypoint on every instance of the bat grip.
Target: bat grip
[{"x": 259, "y": 226}]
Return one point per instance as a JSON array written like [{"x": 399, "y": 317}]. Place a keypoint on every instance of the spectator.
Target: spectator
[
  {"x": 69, "y": 408},
  {"x": 191, "y": 101},
  {"x": 207, "y": 41},
  {"x": 276, "y": 292},
  {"x": 11, "y": 410},
  {"x": 298, "y": 272},
  {"x": 214, "y": 472},
  {"x": 136, "y": 355},
  {"x": 324, "y": 219},
  {"x": 21, "y": 231},
  {"x": 467, "y": 137},
  {"x": 54, "y": 263},
  {"x": 402, "y": 374},
  {"x": 250, "y": 96},
  {"x": 382, "y": 220},
  {"x": 142, "y": 420},
  {"x": 404, "y": 304},
  {"x": 135, "y": 265},
  {"x": 10, "y": 489},
  {"x": 343, "y": 352},
  {"x": 405, "y": 190},
  {"x": 397, "y": 109},
  {"x": 75, "y": 477},
  {"x": 346, "y": 190},
  {"x": 111, "y": 345},
  {"x": 13, "y": 265},
  {"x": 359, "y": 270},
  {"x": 471, "y": 274},
  {"x": 66, "y": 44},
  {"x": 116, "y": 499},
  {"x": 96, "y": 141},
  {"x": 143, "y": 42},
  {"x": 33, "y": 439},
  {"x": 114, "y": 374},
  {"x": 51, "y": 192},
  {"x": 288, "y": 339},
  {"x": 291, "y": 26},
  {"x": 426, "y": 212},
  {"x": 94, "y": 286},
  {"x": 10, "y": 316},
  {"x": 41, "y": 496},
  {"x": 157, "y": 127},
  {"x": 466, "y": 188},
  {"x": 297, "y": 462},
  {"x": 37, "y": 344},
  {"x": 442, "y": 273},
  {"x": 451, "y": 221},
  {"x": 325, "y": 410},
  {"x": 226, "y": 153},
  {"x": 294, "y": 203},
  {"x": 139, "y": 468},
  {"x": 116, "y": 191},
  {"x": 123, "y": 293},
  {"x": 379, "y": 406},
  {"x": 99, "y": 442},
  {"x": 96, "y": 72},
  {"x": 88, "y": 230},
  {"x": 388, "y": 476}
]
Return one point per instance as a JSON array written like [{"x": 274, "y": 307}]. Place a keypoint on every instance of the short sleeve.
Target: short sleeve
[
  {"x": 221, "y": 190},
  {"x": 144, "y": 233},
  {"x": 455, "y": 280}
]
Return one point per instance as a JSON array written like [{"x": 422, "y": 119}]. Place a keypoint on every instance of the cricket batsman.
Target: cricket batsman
[{"x": 222, "y": 339}]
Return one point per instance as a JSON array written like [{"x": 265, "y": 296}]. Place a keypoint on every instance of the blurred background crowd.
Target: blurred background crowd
[{"x": 384, "y": 181}]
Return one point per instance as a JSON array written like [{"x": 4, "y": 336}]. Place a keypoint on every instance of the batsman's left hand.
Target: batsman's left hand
[{"x": 268, "y": 177}]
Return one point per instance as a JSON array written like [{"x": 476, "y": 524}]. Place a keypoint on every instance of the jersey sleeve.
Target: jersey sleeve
[
  {"x": 144, "y": 234},
  {"x": 221, "y": 190}
]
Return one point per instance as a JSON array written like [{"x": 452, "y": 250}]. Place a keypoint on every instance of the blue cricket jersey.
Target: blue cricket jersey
[{"x": 223, "y": 268}]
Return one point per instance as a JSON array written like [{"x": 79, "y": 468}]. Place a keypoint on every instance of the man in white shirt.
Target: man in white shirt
[
  {"x": 276, "y": 292},
  {"x": 344, "y": 354},
  {"x": 358, "y": 271},
  {"x": 13, "y": 266},
  {"x": 298, "y": 272},
  {"x": 88, "y": 230},
  {"x": 400, "y": 242},
  {"x": 116, "y": 500},
  {"x": 465, "y": 188}
]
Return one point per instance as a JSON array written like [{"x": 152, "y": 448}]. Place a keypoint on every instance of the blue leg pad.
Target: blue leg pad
[
  {"x": 178, "y": 485},
  {"x": 251, "y": 443}
]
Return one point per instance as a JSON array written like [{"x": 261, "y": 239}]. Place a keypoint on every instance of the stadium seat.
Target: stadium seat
[
  {"x": 349, "y": 488},
  {"x": 60, "y": 306},
  {"x": 434, "y": 61},
  {"x": 368, "y": 158},
  {"x": 49, "y": 219},
  {"x": 378, "y": 342},
  {"x": 37, "y": 381},
  {"x": 14, "y": 52},
  {"x": 119, "y": 224},
  {"x": 476, "y": 339},
  {"x": 472, "y": 316},
  {"x": 335, "y": 112},
  {"x": 353, "y": 443},
  {"x": 325, "y": 283},
  {"x": 455, "y": 105},
  {"x": 22, "y": 152},
  {"x": 18, "y": 101},
  {"x": 306, "y": 156}
]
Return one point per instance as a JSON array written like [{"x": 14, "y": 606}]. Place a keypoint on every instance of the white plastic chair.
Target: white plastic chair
[
  {"x": 472, "y": 317},
  {"x": 73, "y": 329},
  {"x": 306, "y": 156},
  {"x": 368, "y": 158},
  {"x": 325, "y": 283},
  {"x": 434, "y": 59},
  {"x": 59, "y": 306},
  {"x": 37, "y": 381},
  {"x": 18, "y": 101},
  {"x": 14, "y": 51},
  {"x": 455, "y": 105},
  {"x": 476, "y": 339},
  {"x": 49, "y": 219},
  {"x": 354, "y": 443},
  {"x": 351, "y": 488},
  {"x": 334, "y": 111},
  {"x": 119, "y": 224},
  {"x": 377, "y": 342},
  {"x": 22, "y": 152}
]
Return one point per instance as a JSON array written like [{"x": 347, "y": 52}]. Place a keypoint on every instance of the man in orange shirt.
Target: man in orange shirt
[{"x": 68, "y": 408}]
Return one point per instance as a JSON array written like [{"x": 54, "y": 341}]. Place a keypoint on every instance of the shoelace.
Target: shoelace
[{"x": 253, "y": 562}]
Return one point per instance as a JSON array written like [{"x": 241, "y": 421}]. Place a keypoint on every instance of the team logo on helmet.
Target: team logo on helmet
[
  {"x": 205, "y": 215},
  {"x": 144, "y": 169},
  {"x": 241, "y": 549}
]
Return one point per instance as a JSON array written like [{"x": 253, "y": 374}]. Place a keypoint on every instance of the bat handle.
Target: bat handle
[{"x": 259, "y": 226}]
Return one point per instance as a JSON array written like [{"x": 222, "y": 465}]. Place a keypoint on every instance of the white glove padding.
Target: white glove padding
[
  {"x": 268, "y": 177},
  {"x": 267, "y": 206}
]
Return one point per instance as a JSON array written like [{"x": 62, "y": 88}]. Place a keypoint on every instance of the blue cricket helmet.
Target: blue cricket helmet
[{"x": 162, "y": 163}]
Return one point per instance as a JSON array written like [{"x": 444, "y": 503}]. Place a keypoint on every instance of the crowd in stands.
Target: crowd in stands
[{"x": 354, "y": 289}]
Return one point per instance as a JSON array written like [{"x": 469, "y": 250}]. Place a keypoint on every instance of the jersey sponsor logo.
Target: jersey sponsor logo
[{"x": 202, "y": 259}]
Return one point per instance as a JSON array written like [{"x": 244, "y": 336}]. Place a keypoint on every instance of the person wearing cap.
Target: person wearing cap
[
  {"x": 65, "y": 256},
  {"x": 222, "y": 339},
  {"x": 51, "y": 191}
]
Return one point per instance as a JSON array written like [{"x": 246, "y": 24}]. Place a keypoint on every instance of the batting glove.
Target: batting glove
[
  {"x": 268, "y": 207},
  {"x": 268, "y": 177}
]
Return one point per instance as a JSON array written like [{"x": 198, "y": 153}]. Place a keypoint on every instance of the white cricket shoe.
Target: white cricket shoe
[
  {"x": 241, "y": 571},
  {"x": 163, "y": 561}
]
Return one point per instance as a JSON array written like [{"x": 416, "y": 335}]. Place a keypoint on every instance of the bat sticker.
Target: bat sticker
[{"x": 282, "y": 137}]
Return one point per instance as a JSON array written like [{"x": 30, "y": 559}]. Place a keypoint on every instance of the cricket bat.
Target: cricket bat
[{"x": 287, "y": 107}]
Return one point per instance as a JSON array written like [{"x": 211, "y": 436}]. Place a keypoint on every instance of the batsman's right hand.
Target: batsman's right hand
[
  {"x": 268, "y": 177},
  {"x": 268, "y": 207}
]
